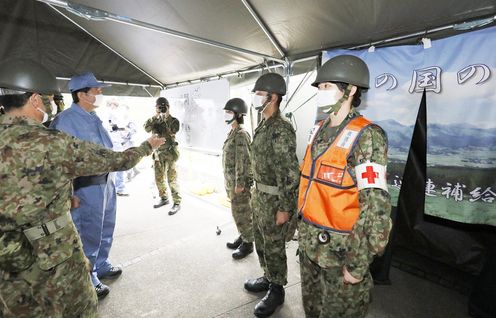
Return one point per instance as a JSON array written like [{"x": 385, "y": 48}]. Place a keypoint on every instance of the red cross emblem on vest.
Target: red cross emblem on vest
[{"x": 370, "y": 174}]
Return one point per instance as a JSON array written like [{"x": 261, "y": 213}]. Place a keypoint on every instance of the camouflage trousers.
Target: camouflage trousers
[
  {"x": 270, "y": 238},
  {"x": 242, "y": 214},
  {"x": 165, "y": 166},
  {"x": 63, "y": 291},
  {"x": 326, "y": 296}
]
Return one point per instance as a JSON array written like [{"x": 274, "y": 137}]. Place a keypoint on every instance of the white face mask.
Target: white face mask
[
  {"x": 258, "y": 102},
  {"x": 228, "y": 117},
  {"x": 45, "y": 115},
  {"x": 98, "y": 100},
  {"x": 54, "y": 108},
  {"x": 327, "y": 97}
]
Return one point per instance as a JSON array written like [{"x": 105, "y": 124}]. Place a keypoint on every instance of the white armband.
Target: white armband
[{"x": 371, "y": 175}]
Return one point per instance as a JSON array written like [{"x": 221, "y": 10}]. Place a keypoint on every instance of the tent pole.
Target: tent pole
[
  {"x": 108, "y": 47},
  {"x": 458, "y": 26},
  {"x": 147, "y": 91},
  {"x": 219, "y": 76},
  {"x": 118, "y": 83},
  {"x": 190, "y": 37},
  {"x": 287, "y": 74},
  {"x": 264, "y": 27}
]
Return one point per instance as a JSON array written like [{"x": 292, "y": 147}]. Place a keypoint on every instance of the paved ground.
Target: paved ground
[{"x": 177, "y": 266}]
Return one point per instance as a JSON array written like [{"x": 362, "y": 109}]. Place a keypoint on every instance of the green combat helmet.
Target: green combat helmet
[
  {"x": 27, "y": 76},
  {"x": 271, "y": 83},
  {"x": 344, "y": 68},
  {"x": 236, "y": 105}
]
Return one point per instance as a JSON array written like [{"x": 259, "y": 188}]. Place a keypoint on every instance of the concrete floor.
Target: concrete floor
[{"x": 177, "y": 266}]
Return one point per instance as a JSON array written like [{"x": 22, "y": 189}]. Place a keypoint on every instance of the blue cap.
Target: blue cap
[{"x": 85, "y": 80}]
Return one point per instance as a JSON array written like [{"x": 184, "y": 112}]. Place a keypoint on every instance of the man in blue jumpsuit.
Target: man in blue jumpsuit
[{"x": 94, "y": 202}]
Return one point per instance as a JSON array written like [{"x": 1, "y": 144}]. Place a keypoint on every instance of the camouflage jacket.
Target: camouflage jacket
[
  {"x": 236, "y": 160},
  {"x": 274, "y": 161},
  {"x": 38, "y": 166},
  {"x": 370, "y": 233},
  {"x": 165, "y": 127}
]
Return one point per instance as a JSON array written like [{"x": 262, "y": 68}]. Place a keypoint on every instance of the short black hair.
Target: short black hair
[
  {"x": 75, "y": 98},
  {"x": 12, "y": 101},
  {"x": 356, "y": 101}
]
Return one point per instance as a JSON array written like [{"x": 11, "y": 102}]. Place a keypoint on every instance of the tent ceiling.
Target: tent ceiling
[
  {"x": 312, "y": 25},
  {"x": 34, "y": 30}
]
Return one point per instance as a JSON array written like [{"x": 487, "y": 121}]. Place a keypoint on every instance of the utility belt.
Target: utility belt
[
  {"x": 20, "y": 249},
  {"x": 36, "y": 232},
  {"x": 82, "y": 182},
  {"x": 267, "y": 188}
]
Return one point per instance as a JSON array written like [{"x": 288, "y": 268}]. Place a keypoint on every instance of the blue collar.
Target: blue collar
[{"x": 80, "y": 110}]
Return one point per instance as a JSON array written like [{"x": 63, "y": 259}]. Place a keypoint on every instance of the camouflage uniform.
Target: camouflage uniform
[
  {"x": 237, "y": 173},
  {"x": 165, "y": 156},
  {"x": 324, "y": 293},
  {"x": 48, "y": 108},
  {"x": 274, "y": 163},
  {"x": 48, "y": 277}
]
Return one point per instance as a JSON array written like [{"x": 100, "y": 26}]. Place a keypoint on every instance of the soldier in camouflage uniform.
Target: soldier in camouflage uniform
[
  {"x": 166, "y": 126},
  {"x": 50, "y": 107},
  {"x": 43, "y": 270},
  {"x": 59, "y": 102},
  {"x": 238, "y": 177},
  {"x": 343, "y": 201},
  {"x": 276, "y": 173}
]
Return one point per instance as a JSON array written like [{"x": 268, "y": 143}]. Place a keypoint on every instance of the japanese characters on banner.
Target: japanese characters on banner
[{"x": 459, "y": 75}]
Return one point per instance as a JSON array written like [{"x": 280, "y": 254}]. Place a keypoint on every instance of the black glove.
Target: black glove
[{"x": 115, "y": 127}]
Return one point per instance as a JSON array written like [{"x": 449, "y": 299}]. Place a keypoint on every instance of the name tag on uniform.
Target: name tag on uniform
[
  {"x": 371, "y": 175},
  {"x": 331, "y": 174},
  {"x": 312, "y": 134},
  {"x": 347, "y": 138}
]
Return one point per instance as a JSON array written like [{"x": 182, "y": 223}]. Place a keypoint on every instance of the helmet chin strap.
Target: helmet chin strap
[
  {"x": 334, "y": 109},
  {"x": 231, "y": 120}
]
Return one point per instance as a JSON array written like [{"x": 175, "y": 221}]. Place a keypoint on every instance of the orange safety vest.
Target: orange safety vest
[{"x": 328, "y": 195}]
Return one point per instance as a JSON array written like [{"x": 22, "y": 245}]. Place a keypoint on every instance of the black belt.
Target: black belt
[{"x": 82, "y": 182}]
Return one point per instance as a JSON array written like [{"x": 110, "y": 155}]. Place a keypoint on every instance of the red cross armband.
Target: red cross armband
[{"x": 371, "y": 175}]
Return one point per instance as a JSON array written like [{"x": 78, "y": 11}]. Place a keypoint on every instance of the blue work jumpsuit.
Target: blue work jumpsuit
[{"x": 95, "y": 218}]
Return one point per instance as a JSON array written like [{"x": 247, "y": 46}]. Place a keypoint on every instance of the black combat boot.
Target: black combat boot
[
  {"x": 175, "y": 208},
  {"x": 102, "y": 290},
  {"x": 257, "y": 285},
  {"x": 273, "y": 299},
  {"x": 243, "y": 250},
  {"x": 234, "y": 245},
  {"x": 162, "y": 202}
]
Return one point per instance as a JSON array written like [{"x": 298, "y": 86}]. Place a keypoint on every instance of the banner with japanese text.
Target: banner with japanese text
[{"x": 459, "y": 75}]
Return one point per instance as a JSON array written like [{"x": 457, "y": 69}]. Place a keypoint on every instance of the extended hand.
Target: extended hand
[
  {"x": 348, "y": 279},
  {"x": 155, "y": 141},
  {"x": 282, "y": 217}
]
